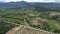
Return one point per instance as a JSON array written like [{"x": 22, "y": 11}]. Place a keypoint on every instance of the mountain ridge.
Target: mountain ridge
[{"x": 24, "y": 3}]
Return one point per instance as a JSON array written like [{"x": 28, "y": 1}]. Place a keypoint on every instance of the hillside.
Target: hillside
[{"x": 42, "y": 16}]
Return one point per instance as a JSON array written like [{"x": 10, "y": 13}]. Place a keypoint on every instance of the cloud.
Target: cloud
[
  {"x": 57, "y": 0},
  {"x": 34, "y": 0},
  {"x": 40, "y": 0},
  {"x": 31, "y": 0},
  {"x": 49, "y": 1},
  {"x": 11, "y": 0}
]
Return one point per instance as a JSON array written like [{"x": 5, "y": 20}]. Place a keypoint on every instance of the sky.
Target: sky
[{"x": 31, "y": 0}]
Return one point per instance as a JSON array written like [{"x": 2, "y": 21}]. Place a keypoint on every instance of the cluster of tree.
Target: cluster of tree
[{"x": 4, "y": 27}]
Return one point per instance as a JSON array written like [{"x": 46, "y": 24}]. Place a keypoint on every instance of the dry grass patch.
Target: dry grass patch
[
  {"x": 29, "y": 30},
  {"x": 36, "y": 21}
]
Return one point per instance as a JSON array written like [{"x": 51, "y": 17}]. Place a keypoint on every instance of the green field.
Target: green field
[{"x": 52, "y": 24}]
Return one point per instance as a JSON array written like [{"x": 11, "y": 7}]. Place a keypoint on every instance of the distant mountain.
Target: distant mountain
[
  {"x": 23, "y": 3},
  {"x": 13, "y": 4}
]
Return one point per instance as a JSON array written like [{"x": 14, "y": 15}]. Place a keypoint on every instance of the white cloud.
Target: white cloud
[
  {"x": 57, "y": 0},
  {"x": 12, "y": 0},
  {"x": 40, "y": 0},
  {"x": 49, "y": 1},
  {"x": 33, "y": 0}
]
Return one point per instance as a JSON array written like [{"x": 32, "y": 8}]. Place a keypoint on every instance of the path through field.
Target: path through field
[
  {"x": 22, "y": 28},
  {"x": 13, "y": 30}
]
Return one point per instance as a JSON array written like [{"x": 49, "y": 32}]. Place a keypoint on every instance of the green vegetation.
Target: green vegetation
[
  {"x": 13, "y": 17},
  {"x": 52, "y": 24}
]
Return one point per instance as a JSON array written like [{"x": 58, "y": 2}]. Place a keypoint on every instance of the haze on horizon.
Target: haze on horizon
[{"x": 30, "y": 0}]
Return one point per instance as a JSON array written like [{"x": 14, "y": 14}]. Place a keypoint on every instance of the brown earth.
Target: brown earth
[{"x": 13, "y": 30}]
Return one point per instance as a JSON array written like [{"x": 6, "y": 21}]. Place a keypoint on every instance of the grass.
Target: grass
[
  {"x": 52, "y": 24},
  {"x": 19, "y": 31}
]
